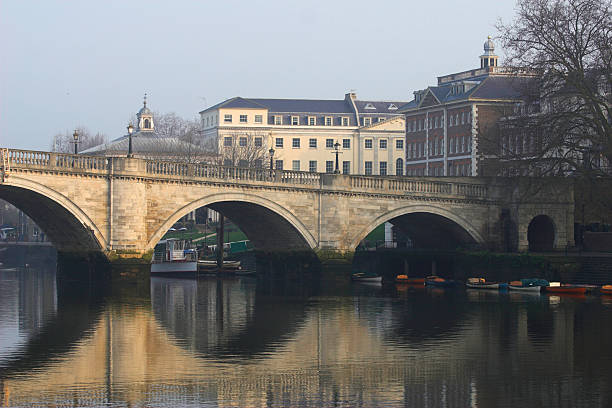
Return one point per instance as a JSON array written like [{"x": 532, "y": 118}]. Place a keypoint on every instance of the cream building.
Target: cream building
[{"x": 304, "y": 134}]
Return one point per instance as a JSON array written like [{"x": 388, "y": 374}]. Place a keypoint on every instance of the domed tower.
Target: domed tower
[
  {"x": 145, "y": 118},
  {"x": 488, "y": 59}
]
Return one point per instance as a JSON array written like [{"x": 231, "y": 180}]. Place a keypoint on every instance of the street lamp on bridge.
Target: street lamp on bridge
[
  {"x": 130, "y": 130},
  {"x": 75, "y": 135},
  {"x": 271, "y": 151},
  {"x": 337, "y": 152}
]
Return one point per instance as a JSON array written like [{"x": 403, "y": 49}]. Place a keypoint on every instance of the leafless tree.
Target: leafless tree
[
  {"x": 64, "y": 142},
  {"x": 563, "y": 126},
  {"x": 244, "y": 149}
]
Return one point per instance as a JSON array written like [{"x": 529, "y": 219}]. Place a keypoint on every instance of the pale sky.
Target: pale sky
[{"x": 70, "y": 63}]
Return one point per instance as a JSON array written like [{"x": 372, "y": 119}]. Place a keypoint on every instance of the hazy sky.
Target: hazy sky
[{"x": 88, "y": 63}]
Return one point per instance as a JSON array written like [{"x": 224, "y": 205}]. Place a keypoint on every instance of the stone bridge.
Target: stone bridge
[{"x": 124, "y": 206}]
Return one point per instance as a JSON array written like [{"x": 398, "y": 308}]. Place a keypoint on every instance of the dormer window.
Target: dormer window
[
  {"x": 369, "y": 106},
  {"x": 295, "y": 120},
  {"x": 312, "y": 121},
  {"x": 392, "y": 107}
]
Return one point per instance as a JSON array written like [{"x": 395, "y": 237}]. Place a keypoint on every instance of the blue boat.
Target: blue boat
[{"x": 440, "y": 282}]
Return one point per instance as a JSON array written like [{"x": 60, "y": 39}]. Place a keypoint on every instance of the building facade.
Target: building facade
[
  {"x": 449, "y": 126},
  {"x": 304, "y": 135}
]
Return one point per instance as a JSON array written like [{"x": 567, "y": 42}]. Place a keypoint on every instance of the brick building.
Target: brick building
[{"x": 450, "y": 126}]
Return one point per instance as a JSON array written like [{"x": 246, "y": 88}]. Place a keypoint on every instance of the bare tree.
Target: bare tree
[
  {"x": 64, "y": 142},
  {"x": 244, "y": 149},
  {"x": 563, "y": 125}
]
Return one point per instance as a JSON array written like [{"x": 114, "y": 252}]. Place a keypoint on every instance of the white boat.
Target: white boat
[
  {"x": 533, "y": 289},
  {"x": 172, "y": 257},
  {"x": 480, "y": 283}
]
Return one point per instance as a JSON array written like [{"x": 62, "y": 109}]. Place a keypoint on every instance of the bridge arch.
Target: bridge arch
[
  {"x": 66, "y": 225},
  {"x": 277, "y": 223},
  {"x": 541, "y": 233},
  {"x": 460, "y": 227}
]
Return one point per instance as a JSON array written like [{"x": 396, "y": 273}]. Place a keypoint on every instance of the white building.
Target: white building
[{"x": 370, "y": 135}]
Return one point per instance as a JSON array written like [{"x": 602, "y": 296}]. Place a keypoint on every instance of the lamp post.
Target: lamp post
[
  {"x": 75, "y": 135},
  {"x": 271, "y": 151},
  {"x": 337, "y": 152},
  {"x": 130, "y": 130}
]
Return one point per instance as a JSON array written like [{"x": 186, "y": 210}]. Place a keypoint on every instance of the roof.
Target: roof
[
  {"x": 491, "y": 87},
  {"x": 146, "y": 143},
  {"x": 341, "y": 106}
]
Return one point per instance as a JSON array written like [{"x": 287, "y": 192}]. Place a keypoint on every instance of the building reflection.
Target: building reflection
[{"x": 228, "y": 343}]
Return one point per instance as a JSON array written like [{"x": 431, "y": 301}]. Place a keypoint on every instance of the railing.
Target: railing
[
  {"x": 211, "y": 171},
  {"x": 13, "y": 158},
  {"x": 419, "y": 186},
  {"x": 28, "y": 158}
]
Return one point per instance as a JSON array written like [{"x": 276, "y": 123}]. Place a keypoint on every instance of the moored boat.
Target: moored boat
[
  {"x": 440, "y": 282},
  {"x": 606, "y": 290},
  {"x": 480, "y": 283},
  {"x": 519, "y": 286},
  {"x": 408, "y": 280},
  {"x": 568, "y": 289},
  {"x": 366, "y": 277},
  {"x": 174, "y": 257}
]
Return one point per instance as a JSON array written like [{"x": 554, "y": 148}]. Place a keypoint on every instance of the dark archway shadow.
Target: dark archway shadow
[
  {"x": 64, "y": 230},
  {"x": 541, "y": 234},
  {"x": 432, "y": 231},
  {"x": 226, "y": 318}
]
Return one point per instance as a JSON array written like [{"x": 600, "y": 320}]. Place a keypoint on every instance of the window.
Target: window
[
  {"x": 312, "y": 121},
  {"x": 382, "y": 143},
  {"x": 279, "y": 142},
  {"x": 243, "y": 118},
  {"x": 392, "y": 107},
  {"x": 227, "y": 162},
  {"x": 462, "y": 143},
  {"x": 328, "y": 121},
  {"x": 243, "y": 163},
  {"x": 227, "y": 118},
  {"x": 399, "y": 167},
  {"x": 346, "y": 143},
  {"x": 312, "y": 166},
  {"x": 383, "y": 168},
  {"x": 278, "y": 165},
  {"x": 228, "y": 141},
  {"x": 462, "y": 118},
  {"x": 451, "y": 148},
  {"x": 329, "y": 166},
  {"x": 346, "y": 167},
  {"x": 258, "y": 163},
  {"x": 295, "y": 143},
  {"x": 436, "y": 122},
  {"x": 278, "y": 120},
  {"x": 367, "y": 121},
  {"x": 329, "y": 143},
  {"x": 242, "y": 141},
  {"x": 368, "y": 168},
  {"x": 345, "y": 121},
  {"x": 381, "y": 120},
  {"x": 258, "y": 142},
  {"x": 368, "y": 143},
  {"x": 295, "y": 165},
  {"x": 469, "y": 143},
  {"x": 295, "y": 120},
  {"x": 370, "y": 106},
  {"x": 399, "y": 143},
  {"x": 436, "y": 151},
  {"x": 258, "y": 119},
  {"x": 469, "y": 117}
]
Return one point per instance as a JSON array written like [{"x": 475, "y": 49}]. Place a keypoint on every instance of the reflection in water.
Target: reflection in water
[{"x": 239, "y": 342}]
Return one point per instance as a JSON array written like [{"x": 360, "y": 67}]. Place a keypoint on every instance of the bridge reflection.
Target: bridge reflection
[{"x": 235, "y": 343}]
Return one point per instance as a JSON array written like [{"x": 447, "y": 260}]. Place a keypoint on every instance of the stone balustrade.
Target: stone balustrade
[{"x": 194, "y": 171}]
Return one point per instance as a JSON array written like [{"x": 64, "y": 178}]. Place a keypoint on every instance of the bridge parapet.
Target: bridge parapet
[{"x": 54, "y": 161}]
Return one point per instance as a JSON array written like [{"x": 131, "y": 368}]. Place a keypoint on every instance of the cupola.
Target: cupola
[
  {"x": 488, "y": 59},
  {"x": 145, "y": 118}
]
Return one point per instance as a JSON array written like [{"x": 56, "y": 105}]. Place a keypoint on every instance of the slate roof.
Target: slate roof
[
  {"x": 148, "y": 143},
  {"x": 490, "y": 87},
  {"x": 340, "y": 106}
]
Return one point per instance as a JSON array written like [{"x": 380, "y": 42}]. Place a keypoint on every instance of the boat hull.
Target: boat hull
[
  {"x": 492, "y": 286},
  {"x": 174, "y": 267},
  {"x": 530, "y": 289},
  {"x": 442, "y": 284},
  {"x": 574, "y": 290},
  {"x": 411, "y": 281},
  {"x": 374, "y": 279}
]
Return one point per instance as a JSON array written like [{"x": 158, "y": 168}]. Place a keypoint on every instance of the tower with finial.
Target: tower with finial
[
  {"x": 145, "y": 118},
  {"x": 488, "y": 59}
]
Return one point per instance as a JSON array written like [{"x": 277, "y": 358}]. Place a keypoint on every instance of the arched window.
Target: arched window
[
  {"x": 399, "y": 167},
  {"x": 147, "y": 124}
]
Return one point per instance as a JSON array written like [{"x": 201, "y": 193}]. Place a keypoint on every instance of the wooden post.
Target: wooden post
[{"x": 220, "y": 242}]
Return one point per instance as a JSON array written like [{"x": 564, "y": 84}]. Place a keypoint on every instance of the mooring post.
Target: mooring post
[{"x": 220, "y": 242}]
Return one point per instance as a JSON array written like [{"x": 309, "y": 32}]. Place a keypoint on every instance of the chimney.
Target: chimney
[{"x": 351, "y": 96}]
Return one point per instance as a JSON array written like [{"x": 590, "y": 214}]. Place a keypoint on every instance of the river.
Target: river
[{"x": 278, "y": 343}]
